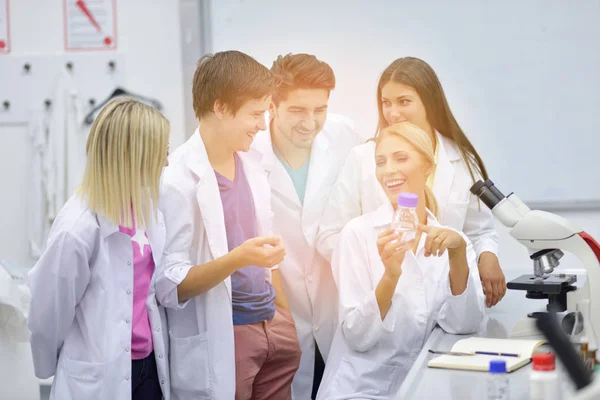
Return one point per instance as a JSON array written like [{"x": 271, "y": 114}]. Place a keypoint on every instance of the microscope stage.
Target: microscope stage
[{"x": 549, "y": 284}]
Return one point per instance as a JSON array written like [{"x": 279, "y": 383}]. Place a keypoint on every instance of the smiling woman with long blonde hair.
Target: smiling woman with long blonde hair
[
  {"x": 95, "y": 325},
  {"x": 409, "y": 91},
  {"x": 392, "y": 294}
]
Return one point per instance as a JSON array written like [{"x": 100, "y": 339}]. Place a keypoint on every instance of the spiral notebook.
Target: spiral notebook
[{"x": 522, "y": 349}]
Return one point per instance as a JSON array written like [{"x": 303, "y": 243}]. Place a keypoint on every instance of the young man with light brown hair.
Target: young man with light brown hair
[
  {"x": 303, "y": 150},
  {"x": 231, "y": 334}
]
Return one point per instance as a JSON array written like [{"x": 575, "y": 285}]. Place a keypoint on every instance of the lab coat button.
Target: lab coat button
[
  {"x": 309, "y": 278},
  {"x": 127, "y": 378},
  {"x": 157, "y": 329},
  {"x": 160, "y": 356},
  {"x": 127, "y": 349},
  {"x": 162, "y": 382},
  {"x": 128, "y": 291},
  {"x": 127, "y": 320},
  {"x": 129, "y": 263},
  {"x": 316, "y": 327}
]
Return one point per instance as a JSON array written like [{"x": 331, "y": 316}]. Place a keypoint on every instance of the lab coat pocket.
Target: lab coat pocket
[
  {"x": 82, "y": 380},
  {"x": 190, "y": 367},
  {"x": 455, "y": 214},
  {"x": 360, "y": 376}
]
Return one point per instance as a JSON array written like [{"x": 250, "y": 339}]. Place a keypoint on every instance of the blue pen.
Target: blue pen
[{"x": 491, "y": 353}]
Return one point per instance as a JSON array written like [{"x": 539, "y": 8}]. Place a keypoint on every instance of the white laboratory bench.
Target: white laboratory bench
[{"x": 423, "y": 382}]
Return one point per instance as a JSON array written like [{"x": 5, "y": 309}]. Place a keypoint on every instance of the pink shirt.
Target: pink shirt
[{"x": 143, "y": 268}]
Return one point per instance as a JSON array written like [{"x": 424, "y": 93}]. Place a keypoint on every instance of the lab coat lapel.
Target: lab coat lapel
[
  {"x": 209, "y": 199},
  {"x": 279, "y": 179},
  {"x": 107, "y": 228},
  {"x": 422, "y": 263},
  {"x": 259, "y": 186},
  {"x": 320, "y": 163},
  {"x": 444, "y": 174},
  {"x": 156, "y": 236}
]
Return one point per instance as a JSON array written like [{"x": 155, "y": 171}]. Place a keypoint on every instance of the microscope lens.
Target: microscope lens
[
  {"x": 496, "y": 192},
  {"x": 489, "y": 198},
  {"x": 476, "y": 188}
]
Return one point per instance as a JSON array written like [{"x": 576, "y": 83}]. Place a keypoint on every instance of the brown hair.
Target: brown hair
[
  {"x": 420, "y": 141},
  {"x": 300, "y": 71},
  {"x": 230, "y": 77},
  {"x": 420, "y": 76}
]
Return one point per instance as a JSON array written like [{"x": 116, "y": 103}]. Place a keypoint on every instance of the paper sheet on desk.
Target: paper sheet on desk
[{"x": 480, "y": 362}]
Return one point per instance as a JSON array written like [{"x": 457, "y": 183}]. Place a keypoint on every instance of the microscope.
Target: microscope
[{"x": 546, "y": 236}]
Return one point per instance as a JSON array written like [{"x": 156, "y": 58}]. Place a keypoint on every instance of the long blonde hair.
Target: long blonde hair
[
  {"x": 126, "y": 151},
  {"x": 420, "y": 141}
]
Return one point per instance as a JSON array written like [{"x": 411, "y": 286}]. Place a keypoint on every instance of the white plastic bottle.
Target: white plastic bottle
[
  {"x": 405, "y": 220},
  {"x": 497, "y": 382},
  {"x": 544, "y": 381}
]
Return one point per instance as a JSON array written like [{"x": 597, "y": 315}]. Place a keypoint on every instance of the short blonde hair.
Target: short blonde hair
[
  {"x": 420, "y": 141},
  {"x": 126, "y": 152}
]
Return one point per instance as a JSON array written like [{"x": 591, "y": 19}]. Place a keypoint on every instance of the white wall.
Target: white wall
[
  {"x": 148, "y": 37},
  {"x": 520, "y": 75},
  {"x": 144, "y": 27},
  {"x": 476, "y": 47}
]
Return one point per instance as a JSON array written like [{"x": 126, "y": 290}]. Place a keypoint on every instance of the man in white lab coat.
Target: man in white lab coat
[
  {"x": 303, "y": 150},
  {"x": 231, "y": 334}
]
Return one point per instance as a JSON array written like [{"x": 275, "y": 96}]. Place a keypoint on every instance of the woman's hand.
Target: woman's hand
[
  {"x": 392, "y": 251},
  {"x": 492, "y": 278},
  {"x": 441, "y": 239}
]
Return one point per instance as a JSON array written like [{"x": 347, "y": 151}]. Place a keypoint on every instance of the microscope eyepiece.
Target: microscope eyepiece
[
  {"x": 487, "y": 192},
  {"x": 490, "y": 185},
  {"x": 476, "y": 188}
]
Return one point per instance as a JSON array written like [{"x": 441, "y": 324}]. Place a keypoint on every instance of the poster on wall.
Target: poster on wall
[
  {"x": 90, "y": 25},
  {"x": 4, "y": 28}
]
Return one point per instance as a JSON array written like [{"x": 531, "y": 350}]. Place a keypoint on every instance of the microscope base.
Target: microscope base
[{"x": 525, "y": 329}]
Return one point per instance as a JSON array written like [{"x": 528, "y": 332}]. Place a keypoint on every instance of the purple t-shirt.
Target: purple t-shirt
[{"x": 253, "y": 297}]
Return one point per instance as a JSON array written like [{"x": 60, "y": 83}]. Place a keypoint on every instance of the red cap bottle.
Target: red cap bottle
[{"x": 544, "y": 362}]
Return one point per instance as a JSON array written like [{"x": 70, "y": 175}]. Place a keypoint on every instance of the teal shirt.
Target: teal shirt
[{"x": 299, "y": 176}]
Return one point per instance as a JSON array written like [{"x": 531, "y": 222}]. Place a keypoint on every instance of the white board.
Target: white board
[{"x": 521, "y": 76}]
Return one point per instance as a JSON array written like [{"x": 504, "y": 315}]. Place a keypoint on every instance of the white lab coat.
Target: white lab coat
[
  {"x": 39, "y": 196},
  {"x": 82, "y": 303},
  {"x": 306, "y": 276},
  {"x": 370, "y": 358},
  {"x": 66, "y": 145},
  {"x": 201, "y": 329},
  {"x": 357, "y": 192}
]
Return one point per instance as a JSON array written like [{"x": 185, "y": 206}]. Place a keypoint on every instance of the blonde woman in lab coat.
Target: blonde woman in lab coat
[
  {"x": 392, "y": 296},
  {"x": 94, "y": 321},
  {"x": 409, "y": 90}
]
